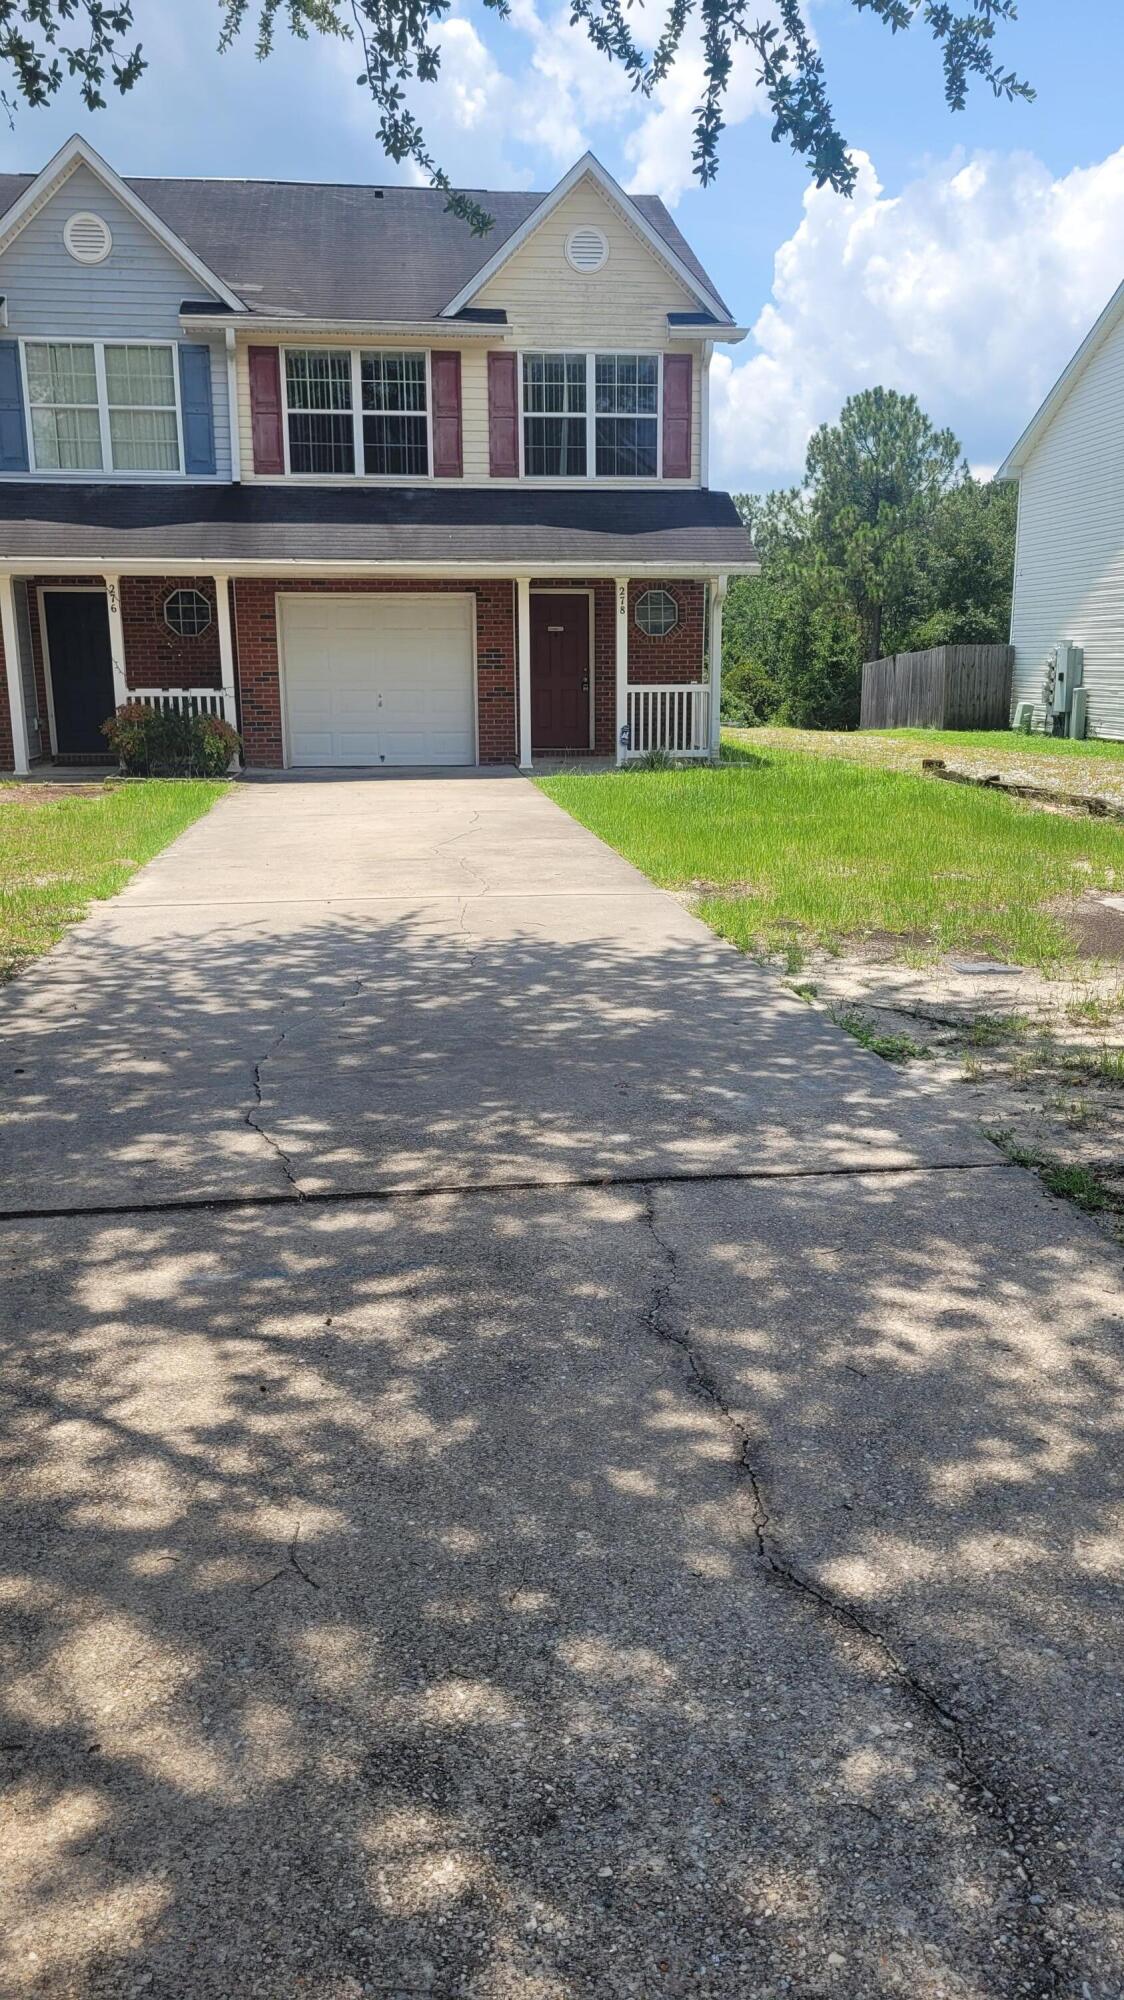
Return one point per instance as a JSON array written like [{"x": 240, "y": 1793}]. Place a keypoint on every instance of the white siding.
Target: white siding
[
  {"x": 1069, "y": 563},
  {"x": 135, "y": 294}
]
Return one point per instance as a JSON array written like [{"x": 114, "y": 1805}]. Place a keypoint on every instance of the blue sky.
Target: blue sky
[{"x": 978, "y": 250}]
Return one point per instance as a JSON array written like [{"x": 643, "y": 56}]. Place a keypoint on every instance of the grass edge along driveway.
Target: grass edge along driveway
[
  {"x": 62, "y": 849},
  {"x": 780, "y": 848}
]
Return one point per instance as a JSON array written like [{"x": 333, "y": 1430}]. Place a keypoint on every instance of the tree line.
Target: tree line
[{"x": 888, "y": 544}]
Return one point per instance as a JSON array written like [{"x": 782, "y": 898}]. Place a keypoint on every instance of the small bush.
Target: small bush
[{"x": 162, "y": 743}]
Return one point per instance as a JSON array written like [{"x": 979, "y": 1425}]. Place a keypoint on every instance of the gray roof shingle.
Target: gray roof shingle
[
  {"x": 347, "y": 252},
  {"x": 205, "y": 525}
]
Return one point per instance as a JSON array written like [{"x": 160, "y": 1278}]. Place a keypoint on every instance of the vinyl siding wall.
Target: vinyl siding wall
[
  {"x": 622, "y": 308},
  {"x": 135, "y": 294},
  {"x": 1069, "y": 559}
]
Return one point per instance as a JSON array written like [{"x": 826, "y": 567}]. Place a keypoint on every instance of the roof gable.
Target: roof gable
[
  {"x": 1071, "y": 374},
  {"x": 341, "y": 252},
  {"x": 662, "y": 248},
  {"x": 76, "y": 154}
]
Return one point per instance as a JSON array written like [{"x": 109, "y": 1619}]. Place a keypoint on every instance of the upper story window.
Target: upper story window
[
  {"x": 349, "y": 410},
  {"x": 591, "y": 415},
  {"x": 103, "y": 405},
  {"x": 554, "y": 416},
  {"x": 321, "y": 419},
  {"x": 627, "y": 410},
  {"x": 395, "y": 436}
]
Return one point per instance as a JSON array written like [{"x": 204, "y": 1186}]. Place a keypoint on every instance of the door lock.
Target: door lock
[{"x": 585, "y": 687}]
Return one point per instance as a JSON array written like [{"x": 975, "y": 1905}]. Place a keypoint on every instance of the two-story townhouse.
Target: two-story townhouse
[{"x": 382, "y": 492}]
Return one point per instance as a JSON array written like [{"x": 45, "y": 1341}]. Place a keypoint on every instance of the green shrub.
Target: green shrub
[{"x": 163, "y": 743}]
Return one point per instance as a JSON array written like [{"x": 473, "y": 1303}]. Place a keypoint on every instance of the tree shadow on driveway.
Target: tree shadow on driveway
[{"x": 698, "y": 1584}]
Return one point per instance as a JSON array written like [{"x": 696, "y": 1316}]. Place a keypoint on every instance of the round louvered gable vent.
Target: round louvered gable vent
[
  {"x": 87, "y": 238},
  {"x": 587, "y": 250}
]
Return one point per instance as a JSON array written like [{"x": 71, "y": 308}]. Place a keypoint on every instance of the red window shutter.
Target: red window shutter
[
  {"x": 265, "y": 409},
  {"x": 677, "y": 416},
  {"x": 445, "y": 372},
  {"x": 503, "y": 417}
]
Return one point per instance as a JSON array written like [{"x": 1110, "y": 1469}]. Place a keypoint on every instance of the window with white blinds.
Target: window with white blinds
[{"x": 100, "y": 405}]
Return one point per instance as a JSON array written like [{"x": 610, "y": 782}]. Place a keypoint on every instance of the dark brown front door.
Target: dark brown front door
[{"x": 559, "y": 671}]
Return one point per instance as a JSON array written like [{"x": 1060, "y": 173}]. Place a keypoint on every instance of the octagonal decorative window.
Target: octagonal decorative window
[
  {"x": 187, "y": 613},
  {"x": 657, "y": 613}
]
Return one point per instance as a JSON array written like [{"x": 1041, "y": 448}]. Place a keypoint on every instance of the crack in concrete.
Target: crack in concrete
[
  {"x": 255, "y": 1126},
  {"x": 219, "y": 1204},
  {"x": 1053, "y": 1978}
]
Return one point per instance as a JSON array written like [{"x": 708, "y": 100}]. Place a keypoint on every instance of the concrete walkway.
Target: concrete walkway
[{"x": 534, "y": 1467}]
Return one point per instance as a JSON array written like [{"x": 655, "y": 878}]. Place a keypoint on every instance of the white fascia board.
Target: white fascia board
[
  {"x": 588, "y": 166},
  {"x": 284, "y": 328},
  {"x": 1016, "y": 459},
  {"x": 76, "y": 153},
  {"x": 723, "y": 334},
  {"x": 198, "y": 565}
]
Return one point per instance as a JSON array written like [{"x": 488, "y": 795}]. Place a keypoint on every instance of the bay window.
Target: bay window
[
  {"x": 351, "y": 410},
  {"x": 99, "y": 405},
  {"x": 591, "y": 416}
]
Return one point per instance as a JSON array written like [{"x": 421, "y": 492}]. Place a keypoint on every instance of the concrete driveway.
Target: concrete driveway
[{"x": 533, "y": 1467}]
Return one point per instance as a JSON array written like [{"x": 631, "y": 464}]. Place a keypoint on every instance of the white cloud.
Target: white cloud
[
  {"x": 971, "y": 288},
  {"x": 660, "y": 149}
]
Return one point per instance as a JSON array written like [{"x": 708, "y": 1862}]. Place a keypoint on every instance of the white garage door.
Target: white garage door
[{"x": 379, "y": 679}]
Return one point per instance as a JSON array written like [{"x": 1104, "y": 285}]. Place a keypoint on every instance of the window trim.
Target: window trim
[
  {"x": 99, "y": 343},
  {"x": 590, "y": 477},
  {"x": 358, "y": 449}
]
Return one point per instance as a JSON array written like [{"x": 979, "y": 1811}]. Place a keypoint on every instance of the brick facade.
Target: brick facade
[
  {"x": 259, "y": 677},
  {"x": 156, "y": 657}
]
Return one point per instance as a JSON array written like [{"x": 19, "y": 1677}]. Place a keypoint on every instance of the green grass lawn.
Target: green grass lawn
[
  {"x": 780, "y": 846},
  {"x": 60, "y": 851}
]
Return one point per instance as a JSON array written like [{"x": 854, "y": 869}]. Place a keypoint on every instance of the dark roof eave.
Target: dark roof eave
[{"x": 504, "y": 529}]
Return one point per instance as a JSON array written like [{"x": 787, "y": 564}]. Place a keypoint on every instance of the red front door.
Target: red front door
[{"x": 559, "y": 671}]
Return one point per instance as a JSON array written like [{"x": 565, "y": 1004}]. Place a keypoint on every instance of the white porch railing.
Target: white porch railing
[
  {"x": 188, "y": 701},
  {"x": 673, "y": 717}
]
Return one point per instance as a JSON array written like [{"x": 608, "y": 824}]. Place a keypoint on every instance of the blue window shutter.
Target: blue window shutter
[
  {"x": 13, "y": 430},
  {"x": 198, "y": 409}
]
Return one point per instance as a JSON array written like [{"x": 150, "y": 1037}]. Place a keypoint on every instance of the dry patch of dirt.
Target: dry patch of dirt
[
  {"x": 1040, "y": 1060},
  {"x": 31, "y": 794}
]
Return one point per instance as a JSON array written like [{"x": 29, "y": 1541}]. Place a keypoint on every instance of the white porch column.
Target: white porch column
[
  {"x": 620, "y": 585},
  {"x": 717, "y": 599},
  {"x": 523, "y": 624},
  {"x": 226, "y": 644},
  {"x": 116, "y": 640},
  {"x": 10, "y": 635}
]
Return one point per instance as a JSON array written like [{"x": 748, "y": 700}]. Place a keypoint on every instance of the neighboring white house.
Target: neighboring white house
[{"x": 1069, "y": 555}]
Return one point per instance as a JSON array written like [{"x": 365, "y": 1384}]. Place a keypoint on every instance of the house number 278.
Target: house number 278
[{"x": 621, "y": 600}]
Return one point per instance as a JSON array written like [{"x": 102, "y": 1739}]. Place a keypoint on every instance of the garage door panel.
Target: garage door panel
[{"x": 379, "y": 680}]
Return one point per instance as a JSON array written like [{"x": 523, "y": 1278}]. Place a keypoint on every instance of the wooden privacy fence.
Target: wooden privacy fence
[{"x": 946, "y": 687}]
